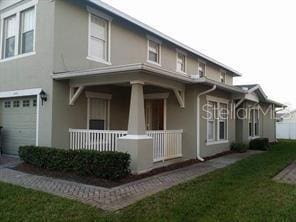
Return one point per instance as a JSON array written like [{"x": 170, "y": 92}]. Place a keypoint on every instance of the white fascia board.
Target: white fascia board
[{"x": 20, "y": 93}]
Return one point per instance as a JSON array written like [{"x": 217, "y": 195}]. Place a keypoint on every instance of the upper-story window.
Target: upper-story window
[
  {"x": 181, "y": 62},
  {"x": 99, "y": 37},
  {"x": 222, "y": 76},
  {"x": 201, "y": 69},
  {"x": 18, "y": 32},
  {"x": 154, "y": 51},
  {"x": 27, "y": 31}
]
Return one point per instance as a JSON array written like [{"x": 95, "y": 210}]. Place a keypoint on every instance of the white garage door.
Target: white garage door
[{"x": 18, "y": 119}]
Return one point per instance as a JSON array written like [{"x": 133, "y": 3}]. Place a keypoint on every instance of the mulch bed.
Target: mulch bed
[{"x": 91, "y": 180}]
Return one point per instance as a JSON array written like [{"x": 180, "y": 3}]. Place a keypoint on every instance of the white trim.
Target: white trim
[
  {"x": 98, "y": 60},
  {"x": 216, "y": 142},
  {"x": 150, "y": 38},
  {"x": 161, "y": 35},
  {"x": 17, "y": 11},
  {"x": 199, "y": 61},
  {"x": 98, "y": 95},
  {"x": 135, "y": 137},
  {"x": 217, "y": 119},
  {"x": 217, "y": 99},
  {"x": 23, "y": 93},
  {"x": 178, "y": 51},
  {"x": 37, "y": 118},
  {"x": 104, "y": 96},
  {"x": 18, "y": 56},
  {"x": 109, "y": 21},
  {"x": 157, "y": 96},
  {"x": 20, "y": 93}
]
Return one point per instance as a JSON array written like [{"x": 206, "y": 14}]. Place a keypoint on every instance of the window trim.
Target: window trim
[
  {"x": 199, "y": 61},
  {"x": 178, "y": 51},
  {"x": 101, "y": 15},
  {"x": 254, "y": 136},
  {"x": 217, "y": 139},
  {"x": 155, "y": 40},
  {"x": 17, "y": 11},
  {"x": 223, "y": 72}
]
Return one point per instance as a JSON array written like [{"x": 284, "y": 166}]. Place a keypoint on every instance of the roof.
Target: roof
[
  {"x": 251, "y": 88},
  {"x": 157, "y": 33},
  {"x": 145, "y": 68}
]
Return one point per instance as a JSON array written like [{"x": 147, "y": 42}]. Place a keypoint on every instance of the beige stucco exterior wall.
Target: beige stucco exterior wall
[
  {"x": 128, "y": 44},
  {"x": 212, "y": 149},
  {"x": 34, "y": 71}
]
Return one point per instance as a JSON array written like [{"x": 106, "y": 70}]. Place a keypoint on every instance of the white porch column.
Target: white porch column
[{"x": 137, "y": 143}]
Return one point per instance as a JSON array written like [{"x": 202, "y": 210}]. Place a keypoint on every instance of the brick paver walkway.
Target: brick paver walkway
[
  {"x": 288, "y": 175},
  {"x": 121, "y": 196}
]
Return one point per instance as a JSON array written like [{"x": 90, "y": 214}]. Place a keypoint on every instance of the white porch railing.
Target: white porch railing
[{"x": 167, "y": 144}]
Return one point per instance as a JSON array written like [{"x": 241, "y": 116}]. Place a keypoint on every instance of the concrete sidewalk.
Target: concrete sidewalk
[{"x": 121, "y": 196}]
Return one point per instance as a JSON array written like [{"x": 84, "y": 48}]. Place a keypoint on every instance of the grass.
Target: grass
[{"x": 241, "y": 192}]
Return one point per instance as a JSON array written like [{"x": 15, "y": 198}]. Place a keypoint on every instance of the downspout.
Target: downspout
[{"x": 198, "y": 121}]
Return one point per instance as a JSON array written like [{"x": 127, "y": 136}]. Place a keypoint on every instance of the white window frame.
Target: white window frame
[
  {"x": 185, "y": 62},
  {"x": 150, "y": 38},
  {"x": 217, "y": 139},
  {"x": 94, "y": 12},
  {"x": 205, "y": 71},
  {"x": 17, "y": 11},
  {"x": 252, "y": 113},
  {"x": 223, "y": 76},
  {"x": 96, "y": 95}
]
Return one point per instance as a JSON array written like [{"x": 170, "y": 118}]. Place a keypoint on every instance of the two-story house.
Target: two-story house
[{"x": 79, "y": 74}]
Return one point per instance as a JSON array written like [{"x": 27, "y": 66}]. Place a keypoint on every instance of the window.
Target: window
[
  {"x": 222, "y": 76},
  {"x": 18, "y": 31},
  {"x": 27, "y": 31},
  {"x": 223, "y": 113},
  {"x": 34, "y": 102},
  {"x": 201, "y": 69},
  {"x": 254, "y": 123},
  {"x": 212, "y": 108},
  {"x": 9, "y": 36},
  {"x": 217, "y": 120},
  {"x": 26, "y": 103},
  {"x": 181, "y": 62},
  {"x": 154, "y": 51},
  {"x": 99, "y": 44},
  {"x": 16, "y": 104},
  {"x": 7, "y": 104}
]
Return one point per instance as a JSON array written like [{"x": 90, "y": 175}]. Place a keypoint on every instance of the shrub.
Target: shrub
[
  {"x": 239, "y": 147},
  {"x": 106, "y": 165},
  {"x": 260, "y": 144}
]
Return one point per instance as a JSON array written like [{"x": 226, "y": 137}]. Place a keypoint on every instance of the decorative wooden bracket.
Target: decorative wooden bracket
[
  {"x": 180, "y": 94},
  {"x": 74, "y": 94}
]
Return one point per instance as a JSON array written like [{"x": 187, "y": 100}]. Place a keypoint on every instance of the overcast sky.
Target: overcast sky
[{"x": 255, "y": 37}]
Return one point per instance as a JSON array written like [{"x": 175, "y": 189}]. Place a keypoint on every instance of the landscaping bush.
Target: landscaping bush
[
  {"x": 260, "y": 144},
  {"x": 239, "y": 147},
  {"x": 106, "y": 165}
]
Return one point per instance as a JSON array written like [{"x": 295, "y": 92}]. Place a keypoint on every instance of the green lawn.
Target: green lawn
[{"x": 241, "y": 192}]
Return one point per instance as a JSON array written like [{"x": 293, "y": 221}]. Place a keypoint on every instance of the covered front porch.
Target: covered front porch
[{"x": 127, "y": 115}]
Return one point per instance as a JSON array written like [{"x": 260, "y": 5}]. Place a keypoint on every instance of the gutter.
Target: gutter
[{"x": 198, "y": 121}]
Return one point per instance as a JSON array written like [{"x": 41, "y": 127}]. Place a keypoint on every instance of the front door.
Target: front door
[
  {"x": 154, "y": 114},
  {"x": 98, "y": 114}
]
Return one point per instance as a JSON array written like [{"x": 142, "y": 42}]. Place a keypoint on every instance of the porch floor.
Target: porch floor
[{"x": 121, "y": 196}]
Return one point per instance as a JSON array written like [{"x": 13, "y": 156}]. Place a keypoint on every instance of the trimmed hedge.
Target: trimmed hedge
[
  {"x": 260, "y": 144},
  {"x": 106, "y": 165},
  {"x": 239, "y": 147}
]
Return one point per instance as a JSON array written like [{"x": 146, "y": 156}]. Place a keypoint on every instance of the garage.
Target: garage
[{"x": 18, "y": 118}]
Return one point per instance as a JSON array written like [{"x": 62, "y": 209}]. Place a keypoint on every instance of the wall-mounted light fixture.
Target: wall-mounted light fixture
[{"x": 43, "y": 97}]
